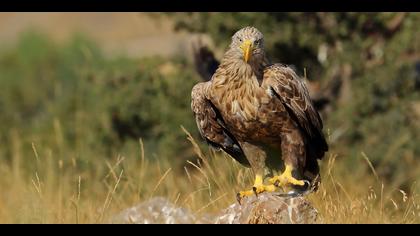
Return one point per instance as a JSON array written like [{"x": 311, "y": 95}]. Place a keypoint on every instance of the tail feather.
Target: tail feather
[{"x": 315, "y": 151}]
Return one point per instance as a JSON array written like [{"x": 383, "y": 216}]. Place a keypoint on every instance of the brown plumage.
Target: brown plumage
[{"x": 255, "y": 111}]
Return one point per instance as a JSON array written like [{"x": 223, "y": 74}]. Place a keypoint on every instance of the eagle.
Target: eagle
[{"x": 261, "y": 114}]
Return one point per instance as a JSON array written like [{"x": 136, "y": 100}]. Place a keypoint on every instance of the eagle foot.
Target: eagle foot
[
  {"x": 287, "y": 179},
  {"x": 258, "y": 188},
  {"x": 281, "y": 181}
]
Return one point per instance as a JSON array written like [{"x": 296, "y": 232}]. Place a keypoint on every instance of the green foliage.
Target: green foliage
[{"x": 82, "y": 105}]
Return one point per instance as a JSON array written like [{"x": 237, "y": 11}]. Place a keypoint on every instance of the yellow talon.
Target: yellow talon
[
  {"x": 258, "y": 188},
  {"x": 286, "y": 178},
  {"x": 264, "y": 188}
]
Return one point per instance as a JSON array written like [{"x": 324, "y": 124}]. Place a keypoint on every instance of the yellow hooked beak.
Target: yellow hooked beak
[{"x": 247, "y": 48}]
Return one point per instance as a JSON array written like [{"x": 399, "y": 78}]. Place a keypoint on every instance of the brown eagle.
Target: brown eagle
[{"x": 260, "y": 114}]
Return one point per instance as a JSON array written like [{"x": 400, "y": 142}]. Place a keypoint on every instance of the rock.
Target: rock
[
  {"x": 270, "y": 208},
  {"x": 267, "y": 208},
  {"x": 157, "y": 210}
]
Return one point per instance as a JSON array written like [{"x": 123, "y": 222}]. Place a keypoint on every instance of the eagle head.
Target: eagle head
[{"x": 248, "y": 45}]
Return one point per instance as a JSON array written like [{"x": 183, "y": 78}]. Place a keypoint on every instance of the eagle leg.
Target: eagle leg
[
  {"x": 257, "y": 188},
  {"x": 286, "y": 179}
]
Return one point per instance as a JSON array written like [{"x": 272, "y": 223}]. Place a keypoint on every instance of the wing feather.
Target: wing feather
[
  {"x": 286, "y": 85},
  {"x": 211, "y": 125}
]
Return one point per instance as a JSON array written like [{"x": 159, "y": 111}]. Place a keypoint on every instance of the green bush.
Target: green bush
[{"x": 73, "y": 99}]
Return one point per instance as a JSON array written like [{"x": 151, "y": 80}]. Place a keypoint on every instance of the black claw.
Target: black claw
[
  {"x": 277, "y": 183},
  {"x": 238, "y": 198},
  {"x": 307, "y": 184},
  {"x": 255, "y": 191}
]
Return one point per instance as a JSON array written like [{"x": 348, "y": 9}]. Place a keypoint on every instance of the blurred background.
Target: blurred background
[{"x": 78, "y": 90}]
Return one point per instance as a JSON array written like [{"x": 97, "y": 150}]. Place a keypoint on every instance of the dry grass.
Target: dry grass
[{"x": 56, "y": 192}]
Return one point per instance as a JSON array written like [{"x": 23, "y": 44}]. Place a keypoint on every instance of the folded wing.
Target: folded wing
[
  {"x": 211, "y": 125},
  {"x": 291, "y": 90}
]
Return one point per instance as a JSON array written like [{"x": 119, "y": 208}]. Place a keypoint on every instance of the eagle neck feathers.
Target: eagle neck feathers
[{"x": 235, "y": 86}]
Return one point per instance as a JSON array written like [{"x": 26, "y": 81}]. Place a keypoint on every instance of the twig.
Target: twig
[
  {"x": 371, "y": 166},
  {"x": 160, "y": 181},
  {"x": 210, "y": 203},
  {"x": 109, "y": 197},
  {"x": 35, "y": 152}
]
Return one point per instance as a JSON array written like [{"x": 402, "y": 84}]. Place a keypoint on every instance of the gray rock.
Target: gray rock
[
  {"x": 270, "y": 208},
  {"x": 267, "y": 208},
  {"x": 157, "y": 210}
]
